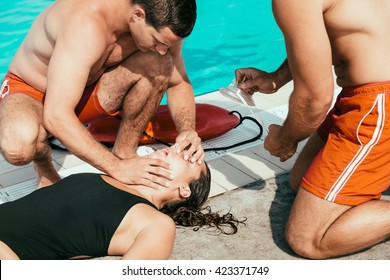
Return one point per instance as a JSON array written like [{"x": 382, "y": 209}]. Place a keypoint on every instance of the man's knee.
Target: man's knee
[
  {"x": 303, "y": 245},
  {"x": 155, "y": 66},
  {"x": 16, "y": 154},
  {"x": 18, "y": 145},
  {"x": 163, "y": 63}
]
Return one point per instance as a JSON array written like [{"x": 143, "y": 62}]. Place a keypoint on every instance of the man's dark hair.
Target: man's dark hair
[{"x": 178, "y": 15}]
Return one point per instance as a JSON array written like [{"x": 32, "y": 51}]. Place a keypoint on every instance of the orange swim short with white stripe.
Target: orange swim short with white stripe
[
  {"x": 354, "y": 165},
  {"x": 87, "y": 110}
]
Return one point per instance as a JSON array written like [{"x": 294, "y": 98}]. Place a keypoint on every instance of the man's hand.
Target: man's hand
[
  {"x": 253, "y": 80},
  {"x": 190, "y": 139},
  {"x": 153, "y": 173},
  {"x": 277, "y": 146}
]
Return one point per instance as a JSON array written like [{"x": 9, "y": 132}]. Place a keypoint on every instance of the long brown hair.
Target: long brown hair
[{"x": 188, "y": 212}]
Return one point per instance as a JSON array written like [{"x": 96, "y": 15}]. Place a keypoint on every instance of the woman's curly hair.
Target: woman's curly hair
[{"x": 188, "y": 212}]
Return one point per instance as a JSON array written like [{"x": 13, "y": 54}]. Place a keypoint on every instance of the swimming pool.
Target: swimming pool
[{"x": 228, "y": 34}]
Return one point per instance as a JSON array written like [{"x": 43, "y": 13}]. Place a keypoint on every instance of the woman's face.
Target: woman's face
[{"x": 183, "y": 171}]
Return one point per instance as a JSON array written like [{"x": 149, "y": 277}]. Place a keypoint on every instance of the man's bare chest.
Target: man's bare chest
[{"x": 119, "y": 50}]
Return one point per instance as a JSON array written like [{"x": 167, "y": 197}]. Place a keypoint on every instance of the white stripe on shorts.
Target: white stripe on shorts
[
  {"x": 4, "y": 90},
  {"x": 363, "y": 151}
]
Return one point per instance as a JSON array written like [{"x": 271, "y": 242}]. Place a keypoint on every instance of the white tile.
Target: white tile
[
  {"x": 6, "y": 167},
  {"x": 227, "y": 176},
  {"x": 263, "y": 103},
  {"x": 280, "y": 97},
  {"x": 275, "y": 115},
  {"x": 83, "y": 168},
  {"x": 59, "y": 153},
  {"x": 287, "y": 165},
  {"x": 216, "y": 189},
  {"x": 252, "y": 164},
  {"x": 19, "y": 175},
  {"x": 69, "y": 161}
]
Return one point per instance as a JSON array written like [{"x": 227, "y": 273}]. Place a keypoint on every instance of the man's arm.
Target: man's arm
[
  {"x": 181, "y": 102},
  {"x": 310, "y": 62},
  {"x": 253, "y": 80},
  {"x": 80, "y": 43},
  {"x": 282, "y": 74},
  {"x": 68, "y": 71}
]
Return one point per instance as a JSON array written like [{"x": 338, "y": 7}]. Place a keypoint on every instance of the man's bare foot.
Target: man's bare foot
[{"x": 46, "y": 173}]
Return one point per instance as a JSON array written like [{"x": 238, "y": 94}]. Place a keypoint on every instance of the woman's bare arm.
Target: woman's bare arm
[{"x": 154, "y": 241}]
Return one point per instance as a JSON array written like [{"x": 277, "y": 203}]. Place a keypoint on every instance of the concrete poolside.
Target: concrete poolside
[{"x": 246, "y": 181}]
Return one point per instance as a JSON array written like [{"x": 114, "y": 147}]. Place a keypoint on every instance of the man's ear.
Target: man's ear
[
  {"x": 138, "y": 13},
  {"x": 184, "y": 191}
]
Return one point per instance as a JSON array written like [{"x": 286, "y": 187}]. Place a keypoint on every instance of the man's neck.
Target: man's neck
[{"x": 117, "y": 15}]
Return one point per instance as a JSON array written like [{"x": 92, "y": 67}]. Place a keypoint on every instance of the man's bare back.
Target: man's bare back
[
  {"x": 353, "y": 29},
  {"x": 322, "y": 35}
]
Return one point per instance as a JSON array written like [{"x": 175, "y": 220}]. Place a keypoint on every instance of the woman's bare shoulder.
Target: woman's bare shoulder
[{"x": 152, "y": 217}]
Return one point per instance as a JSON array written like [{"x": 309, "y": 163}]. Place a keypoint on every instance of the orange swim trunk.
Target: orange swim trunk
[
  {"x": 88, "y": 109},
  {"x": 354, "y": 165}
]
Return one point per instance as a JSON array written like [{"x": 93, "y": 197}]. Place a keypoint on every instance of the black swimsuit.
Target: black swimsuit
[{"x": 75, "y": 217}]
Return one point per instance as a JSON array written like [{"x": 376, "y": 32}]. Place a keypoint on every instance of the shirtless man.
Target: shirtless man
[
  {"x": 85, "y": 59},
  {"x": 344, "y": 167}
]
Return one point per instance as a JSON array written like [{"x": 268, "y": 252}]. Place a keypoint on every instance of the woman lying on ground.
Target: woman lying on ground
[{"x": 92, "y": 215}]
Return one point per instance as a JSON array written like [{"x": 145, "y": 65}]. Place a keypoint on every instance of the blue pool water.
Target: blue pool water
[{"x": 228, "y": 34}]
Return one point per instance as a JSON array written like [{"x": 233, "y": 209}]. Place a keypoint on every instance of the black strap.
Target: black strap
[{"x": 257, "y": 137}]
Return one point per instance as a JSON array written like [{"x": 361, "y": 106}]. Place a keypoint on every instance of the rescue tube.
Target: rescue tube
[{"x": 211, "y": 121}]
